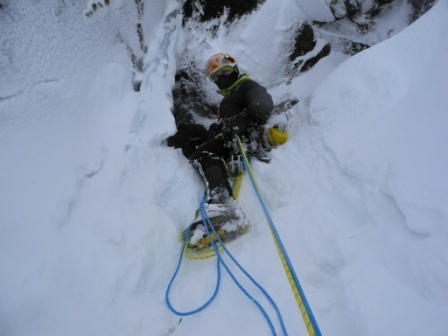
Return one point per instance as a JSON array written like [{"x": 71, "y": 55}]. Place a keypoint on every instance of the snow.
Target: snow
[
  {"x": 93, "y": 202},
  {"x": 316, "y": 10}
]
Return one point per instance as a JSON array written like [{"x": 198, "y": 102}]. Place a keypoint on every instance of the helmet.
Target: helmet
[{"x": 217, "y": 62}]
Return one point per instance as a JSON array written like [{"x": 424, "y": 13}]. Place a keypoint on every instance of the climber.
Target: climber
[{"x": 245, "y": 104}]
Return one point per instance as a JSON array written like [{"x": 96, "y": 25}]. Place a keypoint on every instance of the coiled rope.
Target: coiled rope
[{"x": 208, "y": 225}]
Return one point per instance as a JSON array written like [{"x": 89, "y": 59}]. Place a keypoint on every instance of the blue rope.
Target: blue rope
[
  {"x": 220, "y": 261},
  {"x": 168, "y": 289},
  {"x": 215, "y": 247},
  {"x": 282, "y": 247}
]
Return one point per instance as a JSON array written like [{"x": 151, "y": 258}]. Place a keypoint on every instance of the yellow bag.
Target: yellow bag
[{"x": 277, "y": 135}]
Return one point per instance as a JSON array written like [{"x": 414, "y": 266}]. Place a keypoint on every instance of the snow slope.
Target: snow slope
[{"x": 92, "y": 202}]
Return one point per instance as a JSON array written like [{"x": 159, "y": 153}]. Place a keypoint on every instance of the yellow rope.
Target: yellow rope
[
  {"x": 197, "y": 254},
  {"x": 297, "y": 295},
  {"x": 311, "y": 328},
  {"x": 237, "y": 185}
]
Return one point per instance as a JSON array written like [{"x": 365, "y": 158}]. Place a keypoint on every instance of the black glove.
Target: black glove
[
  {"x": 214, "y": 130},
  {"x": 253, "y": 118}
]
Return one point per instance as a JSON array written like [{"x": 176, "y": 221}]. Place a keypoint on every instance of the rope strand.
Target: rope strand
[
  {"x": 209, "y": 227},
  {"x": 304, "y": 307}
]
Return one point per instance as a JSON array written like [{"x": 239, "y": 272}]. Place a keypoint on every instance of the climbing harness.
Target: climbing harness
[{"x": 305, "y": 309}]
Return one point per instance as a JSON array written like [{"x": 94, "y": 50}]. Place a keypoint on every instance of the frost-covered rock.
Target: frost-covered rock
[{"x": 203, "y": 10}]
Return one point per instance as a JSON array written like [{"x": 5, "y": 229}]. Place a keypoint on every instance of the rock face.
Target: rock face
[
  {"x": 204, "y": 10},
  {"x": 356, "y": 20},
  {"x": 351, "y": 27},
  {"x": 305, "y": 42},
  {"x": 419, "y": 7}
]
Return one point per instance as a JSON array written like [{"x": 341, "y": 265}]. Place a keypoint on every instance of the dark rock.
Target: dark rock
[
  {"x": 353, "y": 8},
  {"x": 352, "y": 48},
  {"x": 419, "y": 7},
  {"x": 136, "y": 85},
  {"x": 210, "y": 10},
  {"x": 383, "y": 2},
  {"x": 305, "y": 42},
  {"x": 338, "y": 9},
  {"x": 308, "y": 64}
]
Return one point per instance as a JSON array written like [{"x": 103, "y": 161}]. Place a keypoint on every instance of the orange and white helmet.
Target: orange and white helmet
[{"x": 218, "y": 63}]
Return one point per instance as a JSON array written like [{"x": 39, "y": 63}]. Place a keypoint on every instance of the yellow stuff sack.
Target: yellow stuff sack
[{"x": 277, "y": 135}]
